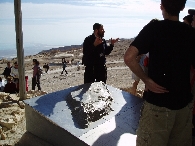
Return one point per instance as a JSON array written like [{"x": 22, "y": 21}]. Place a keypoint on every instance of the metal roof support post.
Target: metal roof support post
[{"x": 20, "y": 50}]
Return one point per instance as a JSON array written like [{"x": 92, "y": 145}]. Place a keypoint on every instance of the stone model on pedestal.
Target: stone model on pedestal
[{"x": 89, "y": 103}]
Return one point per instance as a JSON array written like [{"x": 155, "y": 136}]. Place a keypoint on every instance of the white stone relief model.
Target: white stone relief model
[{"x": 89, "y": 103}]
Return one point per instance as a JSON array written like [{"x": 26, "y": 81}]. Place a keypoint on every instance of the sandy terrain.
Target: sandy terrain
[{"x": 12, "y": 116}]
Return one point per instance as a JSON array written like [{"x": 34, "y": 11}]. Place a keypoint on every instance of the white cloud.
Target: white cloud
[
  {"x": 6, "y": 11},
  {"x": 62, "y": 24}
]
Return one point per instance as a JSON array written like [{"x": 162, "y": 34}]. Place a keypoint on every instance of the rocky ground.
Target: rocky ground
[{"x": 12, "y": 114}]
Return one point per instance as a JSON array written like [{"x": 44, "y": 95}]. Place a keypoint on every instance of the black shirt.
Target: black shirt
[
  {"x": 171, "y": 50},
  {"x": 95, "y": 55},
  {"x": 7, "y": 71}
]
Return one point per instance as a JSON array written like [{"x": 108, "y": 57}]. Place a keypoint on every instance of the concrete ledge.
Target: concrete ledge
[
  {"x": 49, "y": 131},
  {"x": 28, "y": 139}
]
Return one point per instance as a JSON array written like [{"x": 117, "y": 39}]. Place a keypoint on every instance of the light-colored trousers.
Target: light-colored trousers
[{"x": 160, "y": 126}]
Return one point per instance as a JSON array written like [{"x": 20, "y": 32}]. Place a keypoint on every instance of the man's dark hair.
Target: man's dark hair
[
  {"x": 173, "y": 7},
  {"x": 96, "y": 26},
  {"x": 34, "y": 60}
]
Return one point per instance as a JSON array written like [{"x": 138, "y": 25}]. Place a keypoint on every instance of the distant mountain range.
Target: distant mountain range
[
  {"x": 62, "y": 49},
  {"x": 73, "y": 47}
]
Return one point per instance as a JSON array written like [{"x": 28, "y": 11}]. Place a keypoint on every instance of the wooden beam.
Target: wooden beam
[{"x": 20, "y": 50}]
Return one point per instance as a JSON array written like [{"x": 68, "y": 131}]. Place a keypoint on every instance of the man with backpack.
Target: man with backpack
[
  {"x": 7, "y": 70},
  {"x": 166, "y": 118}
]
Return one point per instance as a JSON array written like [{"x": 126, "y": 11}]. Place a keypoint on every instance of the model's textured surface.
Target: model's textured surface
[{"x": 89, "y": 103}]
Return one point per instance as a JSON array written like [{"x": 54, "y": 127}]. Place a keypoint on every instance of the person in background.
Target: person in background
[
  {"x": 2, "y": 84},
  {"x": 188, "y": 19},
  {"x": 72, "y": 61},
  {"x": 136, "y": 79},
  {"x": 10, "y": 87},
  {"x": 192, "y": 79},
  {"x": 36, "y": 76},
  {"x": 95, "y": 49},
  {"x": 78, "y": 65},
  {"x": 7, "y": 70},
  {"x": 166, "y": 116},
  {"x": 46, "y": 67},
  {"x": 15, "y": 74},
  {"x": 192, "y": 12},
  {"x": 64, "y": 66}
]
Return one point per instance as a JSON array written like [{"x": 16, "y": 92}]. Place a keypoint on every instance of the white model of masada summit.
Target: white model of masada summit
[{"x": 89, "y": 103}]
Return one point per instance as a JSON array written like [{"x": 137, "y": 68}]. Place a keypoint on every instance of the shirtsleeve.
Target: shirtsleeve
[
  {"x": 108, "y": 49},
  {"x": 11, "y": 73},
  {"x": 144, "y": 41}
]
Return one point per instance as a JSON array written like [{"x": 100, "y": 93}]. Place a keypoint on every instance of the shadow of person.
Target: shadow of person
[
  {"x": 121, "y": 128},
  {"x": 75, "y": 106},
  {"x": 47, "y": 104}
]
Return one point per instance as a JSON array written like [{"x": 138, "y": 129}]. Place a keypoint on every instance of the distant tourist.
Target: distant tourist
[
  {"x": 2, "y": 84},
  {"x": 15, "y": 74},
  {"x": 46, "y": 67},
  {"x": 36, "y": 75},
  {"x": 140, "y": 60},
  {"x": 10, "y": 87},
  {"x": 7, "y": 70},
  {"x": 64, "y": 66},
  {"x": 166, "y": 116},
  {"x": 94, "y": 50},
  {"x": 71, "y": 61},
  {"x": 78, "y": 65}
]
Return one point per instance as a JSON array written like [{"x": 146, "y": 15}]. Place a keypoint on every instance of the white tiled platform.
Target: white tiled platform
[{"x": 49, "y": 118}]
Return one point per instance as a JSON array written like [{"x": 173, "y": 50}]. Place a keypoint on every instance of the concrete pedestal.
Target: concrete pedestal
[{"x": 49, "y": 118}]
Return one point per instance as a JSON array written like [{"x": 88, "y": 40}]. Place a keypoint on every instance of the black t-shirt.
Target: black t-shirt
[
  {"x": 171, "y": 47},
  {"x": 7, "y": 71},
  {"x": 95, "y": 55}
]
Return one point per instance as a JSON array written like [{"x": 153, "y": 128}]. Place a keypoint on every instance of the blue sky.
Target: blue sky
[{"x": 49, "y": 23}]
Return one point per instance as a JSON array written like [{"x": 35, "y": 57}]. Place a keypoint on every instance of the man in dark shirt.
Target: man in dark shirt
[
  {"x": 10, "y": 87},
  {"x": 64, "y": 66},
  {"x": 94, "y": 50},
  {"x": 167, "y": 111},
  {"x": 46, "y": 67},
  {"x": 7, "y": 70}
]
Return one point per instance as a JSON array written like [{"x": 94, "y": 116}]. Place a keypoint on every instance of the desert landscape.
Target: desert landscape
[{"x": 12, "y": 112}]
